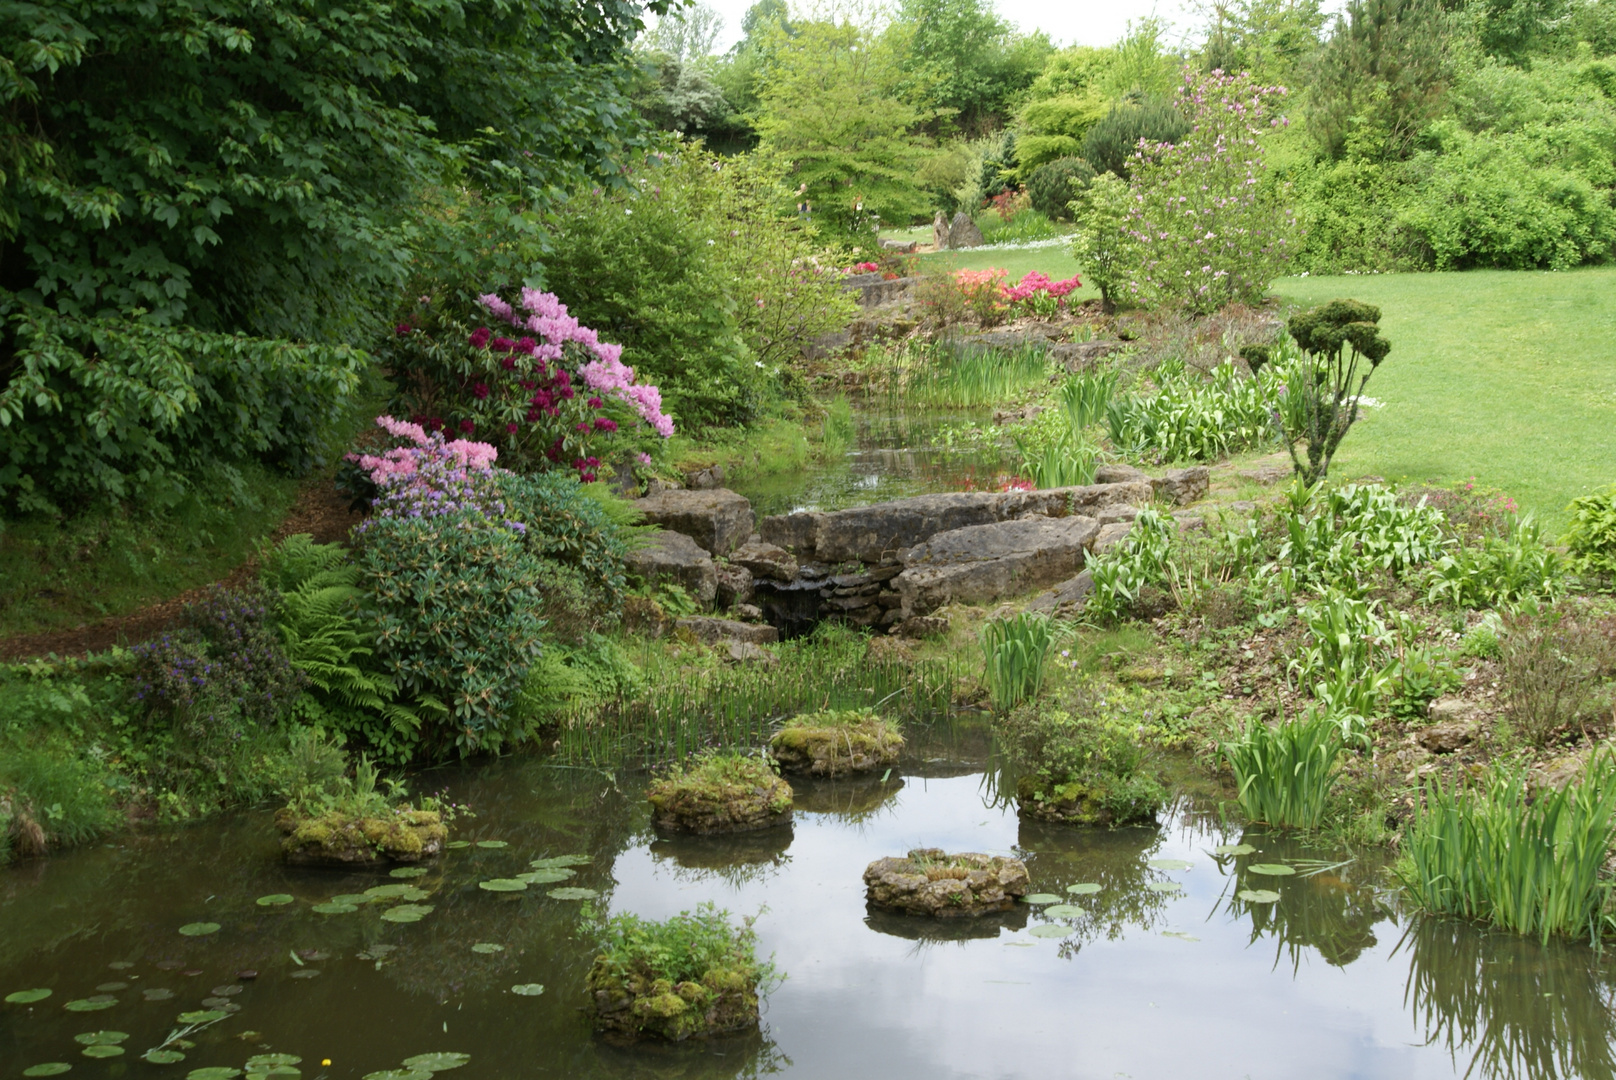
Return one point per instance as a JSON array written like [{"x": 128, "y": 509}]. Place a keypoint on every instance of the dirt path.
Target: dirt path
[{"x": 320, "y": 510}]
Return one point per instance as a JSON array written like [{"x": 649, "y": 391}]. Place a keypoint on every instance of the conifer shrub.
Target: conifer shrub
[{"x": 1053, "y": 185}]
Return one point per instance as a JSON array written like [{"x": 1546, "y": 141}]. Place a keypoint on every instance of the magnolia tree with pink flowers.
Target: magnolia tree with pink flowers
[
  {"x": 533, "y": 382},
  {"x": 1208, "y": 230}
]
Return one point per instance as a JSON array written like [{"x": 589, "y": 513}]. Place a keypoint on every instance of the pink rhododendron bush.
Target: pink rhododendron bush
[{"x": 529, "y": 381}]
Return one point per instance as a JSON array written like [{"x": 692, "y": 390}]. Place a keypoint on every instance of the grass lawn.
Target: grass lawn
[{"x": 1505, "y": 376}]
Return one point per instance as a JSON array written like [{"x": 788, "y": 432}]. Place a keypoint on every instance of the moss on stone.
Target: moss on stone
[
  {"x": 836, "y": 742},
  {"x": 720, "y": 793},
  {"x": 1100, "y": 800},
  {"x": 403, "y": 835}
]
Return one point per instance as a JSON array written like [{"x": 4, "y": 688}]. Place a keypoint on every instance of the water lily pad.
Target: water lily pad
[
  {"x": 286, "y": 1072},
  {"x": 350, "y": 898},
  {"x": 1049, "y": 930},
  {"x": 269, "y": 1061},
  {"x": 1258, "y": 896},
  {"x": 561, "y": 860},
  {"x": 335, "y": 909},
  {"x": 229, "y": 990},
  {"x": 487, "y": 948},
  {"x": 376, "y": 952},
  {"x": 101, "y": 1038},
  {"x": 527, "y": 989},
  {"x": 99, "y": 1051},
  {"x": 301, "y": 973},
  {"x": 546, "y": 876},
  {"x": 1063, "y": 911},
  {"x": 408, "y": 872},
  {"x": 437, "y": 1062},
  {"x": 1083, "y": 888},
  {"x": 28, "y": 997},
  {"x": 399, "y": 1074},
  {"x": 91, "y": 1004},
  {"x": 120, "y": 965},
  {"x": 163, "y": 1057},
  {"x": 407, "y": 913},
  {"x": 492, "y": 845},
  {"x": 1164, "y": 886},
  {"x": 502, "y": 885},
  {"x": 112, "y": 987},
  {"x": 199, "y": 929},
  {"x": 1170, "y": 864},
  {"x": 219, "y": 1003},
  {"x": 49, "y": 1068},
  {"x": 213, "y": 1072},
  {"x": 276, "y": 899},
  {"x": 400, "y": 891},
  {"x": 203, "y": 1016},
  {"x": 1233, "y": 849},
  {"x": 157, "y": 993},
  {"x": 1042, "y": 898},
  {"x": 457, "y": 845},
  {"x": 572, "y": 894},
  {"x": 1272, "y": 869}
]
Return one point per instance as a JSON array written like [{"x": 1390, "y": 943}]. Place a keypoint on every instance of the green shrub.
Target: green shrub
[
  {"x": 1494, "y": 571},
  {"x": 1090, "y": 767},
  {"x": 1054, "y": 185},
  {"x": 1016, "y": 654},
  {"x": 1111, "y": 143},
  {"x": 1283, "y": 774},
  {"x": 100, "y": 409},
  {"x": 695, "y": 974},
  {"x": 1192, "y": 417},
  {"x": 1124, "y": 575},
  {"x": 1527, "y": 862},
  {"x": 1550, "y": 665},
  {"x": 1343, "y": 537},
  {"x": 568, "y": 678},
  {"x": 1342, "y": 348},
  {"x": 1102, "y": 245},
  {"x": 1591, "y": 533}
]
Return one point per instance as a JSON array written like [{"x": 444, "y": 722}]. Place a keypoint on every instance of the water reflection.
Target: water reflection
[{"x": 738, "y": 858}]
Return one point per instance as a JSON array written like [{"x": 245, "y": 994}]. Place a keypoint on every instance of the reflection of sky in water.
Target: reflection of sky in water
[{"x": 859, "y": 1003}]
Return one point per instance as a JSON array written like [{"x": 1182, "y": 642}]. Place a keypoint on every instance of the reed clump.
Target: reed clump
[
  {"x": 1016, "y": 654},
  {"x": 1284, "y": 773}
]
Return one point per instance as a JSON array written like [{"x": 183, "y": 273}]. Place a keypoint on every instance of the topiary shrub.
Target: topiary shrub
[
  {"x": 717, "y": 793},
  {"x": 1323, "y": 392},
  {"x": 1052, "y": 186},
  {"x": 691, "y": 976},
  {"x": 835, "y": 742},
  {"x": 1112, "y": 141}
]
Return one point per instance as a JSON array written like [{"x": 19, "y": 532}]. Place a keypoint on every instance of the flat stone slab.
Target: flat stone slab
[
  {"x": 986, "y": 562},
  {"x": 766, "y": 560},
  {"x": 717, "y": 519},
  {"x": 675, "y": 559},
  {"x": 711, "y": 631},
  {"x": 1182, "y": 486},
  {"x": 1067, "y": 598},
  {"x": 929, "y": 882}
]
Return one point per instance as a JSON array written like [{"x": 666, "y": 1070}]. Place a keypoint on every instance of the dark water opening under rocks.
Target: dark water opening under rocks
[{"x": 1163, "y": 972}]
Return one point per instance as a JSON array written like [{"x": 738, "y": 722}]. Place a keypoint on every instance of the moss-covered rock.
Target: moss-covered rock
[
  {"x": 836, "y": 742},
  {"x": 1101, "y": 800},
  {"x": 692, "y": 976},
  {"x": 930, "y": 882},
  {"x": 403, "y": 835},
  {"x": 720, "y": 793}
]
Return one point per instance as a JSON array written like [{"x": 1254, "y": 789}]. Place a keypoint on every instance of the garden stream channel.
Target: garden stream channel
[{"x": 1164, "y": 971}]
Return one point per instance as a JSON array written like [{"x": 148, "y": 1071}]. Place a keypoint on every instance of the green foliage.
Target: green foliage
[
  {"x": 51, "y": 795},
  {"x": 969, "y": 379},
  {"x": 1499, "y": 571},
  {"x": 1527, "y": 862},
  {"x": 1271, "y": 38},
  {"x": 1192, "y": 417},
  {"x": 1092, "y": 756},
  {"x": 1283, "y": 774},
  {"x": 1111, "y": 143},
  {"x": 1344, "y": 664},
  {"x": 265, "y": 182},
  {"x": 1053, "y": 186},
  {"x": 569, "y": 678},
  {"x": 962, "y": 60},
  {"x": 674, "y": 93},
  {"x": 1016, "y": 654},
  {"x": 1321, "y": 400},
  {"x": 1591, "y": 534},
  {"x": 1550, "y": 665},
  {"x": 1056, "y": 448},
  {"x": 105, "y": 410},
  {"x": 1125, "y": 573},
  {"x": 1380, "y": 78},
  {"x": 1102, "y": 245},
  {"x": 1343, "y": 537}
]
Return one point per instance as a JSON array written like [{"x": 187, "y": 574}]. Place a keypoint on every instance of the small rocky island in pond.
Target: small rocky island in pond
[
  {"x": 1082, "y": 770},
  {"x": 719, "y": 793},
  {"x": 692, "y": 976},
  {"x": 836, "y": 742},
  {"x": 930, "y": 882},
  {"x": 347, "y": 822}
]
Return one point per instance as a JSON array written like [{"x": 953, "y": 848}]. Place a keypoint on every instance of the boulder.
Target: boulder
[
  {"x": 931, "y": 882},
  {"x": 985, "y": 562},
  {"x": 1090, "y": 500},
  {"x": 939, "y": 231},
  {"x": 335, "y": 839},
  {"x": 1116, "y": 515},
  {"x": 1077, "y": 356},
  {"x": 1266, "y": 475},
  {"x": 921, "y": 626},
  {"x": 797, "y": 532},
  {"x": 1182, "y": 486},
  {"x": 717, "y": 519},
  {"x": 709, "y": 631},
  {"x": 765, "y": 560},
  {"x": 1065, "y": 599},
  {"x": 1447, "y": 737},
  {"x": 1119, "y": 474},
  {"x": 1449, "y": 709},
  {"x": 718, "y": 797},
  {"x": 744, "y": 652},
  {"x": 836, "y": 742},
  {"x": 963, "y": 233},
  {"x": 870, "y": 533},
  {"x": 734, "y": 585},
  {"x": 1111, "y": 535},
  {"x": 900, "y": 246},
  {"x": 705, "y": 479},
  {"x": 1189, "y": 521},
  {"x": 673, "y": 558}
]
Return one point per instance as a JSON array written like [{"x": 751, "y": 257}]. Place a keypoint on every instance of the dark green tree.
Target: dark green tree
[
  {"x": 1113, "y": 140},
  {"x": 963, "y": 61},
  {"x": 1381, "y": 78}
]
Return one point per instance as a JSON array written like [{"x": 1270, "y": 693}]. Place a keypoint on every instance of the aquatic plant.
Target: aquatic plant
[
  {"x": 1016, "y": 656},
  {"x": 833, "y": 742},
  {"x": 971, "y": 378},
  {"x": 1283, "y": 773},
  {"x": 1086, "y": 764},
  {"x": 694, "y": 975},
  {"x": 1526, "y": 861}
]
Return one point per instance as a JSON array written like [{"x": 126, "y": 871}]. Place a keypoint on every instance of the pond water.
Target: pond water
[
  {"x": 897, "y": 452},
  {"x": 1162, "y": 972}
]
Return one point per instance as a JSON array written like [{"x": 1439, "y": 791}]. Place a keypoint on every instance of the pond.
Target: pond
[{"x": 1162, "y": 972}]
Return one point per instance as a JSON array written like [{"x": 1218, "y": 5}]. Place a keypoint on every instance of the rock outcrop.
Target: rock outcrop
[
  {"x": 675, "y": 559},
  {"x": 929, "y": 882},
  {"x": 334, "y": 839},
  {"x": 984, "y": 562},
  {"x": 717, "y": 519},
  {"x": 963, "y": 233},
  {"x": 711, "y": 631}
]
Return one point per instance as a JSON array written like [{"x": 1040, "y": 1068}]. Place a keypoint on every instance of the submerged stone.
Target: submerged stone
[
  {"x": 930, "y": 882},
  {"x": 332, "y": 838},
  {"x": 836, "y": 742}
]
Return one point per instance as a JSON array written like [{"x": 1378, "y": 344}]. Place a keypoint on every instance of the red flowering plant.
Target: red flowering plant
[
  {"x": 538, "y": 385},
  {"x": 1036, "y": 295}
]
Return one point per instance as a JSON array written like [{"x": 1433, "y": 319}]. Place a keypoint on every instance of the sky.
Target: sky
[{"x": 1067, "y": 22}]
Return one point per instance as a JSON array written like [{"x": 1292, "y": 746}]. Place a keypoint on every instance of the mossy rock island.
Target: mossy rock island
[
  {"x": 720, "y": 793},
  {"x": 693, "y": 976},
  {"x": 836, "y": 742},
  {"x": 1102, "y": 801},
  {"x": 336, "y": 839},
  {"x": 928, "y": 881}
]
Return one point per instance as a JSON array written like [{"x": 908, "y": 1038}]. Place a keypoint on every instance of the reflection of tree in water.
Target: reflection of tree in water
[
  {"x": 852, "y": 799},
  {"x": 1332, "y": 910},
  {"x": 737, "y": 1057},
  {"x": 1060, "y": 855},
  {"x": 1513, "y": 1007},
  {"x": 735, "y": 858}
]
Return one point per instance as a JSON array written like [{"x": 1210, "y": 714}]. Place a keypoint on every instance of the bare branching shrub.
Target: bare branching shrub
[{"x": 1551, "y": 665}]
